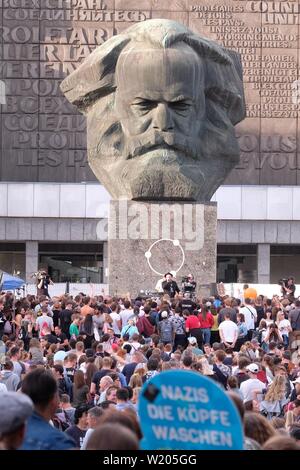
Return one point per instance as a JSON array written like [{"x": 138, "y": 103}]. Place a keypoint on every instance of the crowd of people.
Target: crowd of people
[{"x": 72, "y": 369}]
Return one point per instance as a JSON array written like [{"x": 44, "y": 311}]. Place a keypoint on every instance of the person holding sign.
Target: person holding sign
[{"x": 183, "y": 410}]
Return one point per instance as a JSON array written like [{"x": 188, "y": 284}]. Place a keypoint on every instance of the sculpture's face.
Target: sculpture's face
[
  {"x": 156, "y": 138},
  {"x": 160, "y": 100}
]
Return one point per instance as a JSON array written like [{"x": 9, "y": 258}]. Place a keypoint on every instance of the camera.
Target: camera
[
  {"x": 188, "y": 284},
  {"x": 282, "y": 282}
]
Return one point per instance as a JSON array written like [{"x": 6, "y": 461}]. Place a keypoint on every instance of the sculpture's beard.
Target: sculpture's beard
[
  {"x": 161, "y": 165},
  {"x": 152, "y": 140}
]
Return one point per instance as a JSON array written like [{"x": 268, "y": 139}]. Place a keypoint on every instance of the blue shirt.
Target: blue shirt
[
  {"x": 242, "y": 330},
  {"x": 129, "y": 330},
  {"x": 40, "y": 435}
]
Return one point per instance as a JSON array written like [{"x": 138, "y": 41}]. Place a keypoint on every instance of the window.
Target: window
[
  {"x": 12, "y": 259},
  {"x": 67, "y": 262},
  {"x": 237, "y": 263},
  {"x": 284, "y": 262}
]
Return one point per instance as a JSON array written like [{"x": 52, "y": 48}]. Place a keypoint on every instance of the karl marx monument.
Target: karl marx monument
[{"x": 161, "y": 103}]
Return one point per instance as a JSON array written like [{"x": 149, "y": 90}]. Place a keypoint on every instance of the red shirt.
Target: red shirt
[
  {"x": 192, "y": 322},
  {"x": 208, "y": 322}
]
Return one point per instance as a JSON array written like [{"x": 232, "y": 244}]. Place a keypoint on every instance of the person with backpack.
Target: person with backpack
[
  {"x": 166, "y": 329},
  {"x": 129, "y": 330},
  {"x": 250, "y": 315},
  {"x": 275, "y": 398},
  {"x": 144, "y": 324},
  {"x": 221, "y": 370}
]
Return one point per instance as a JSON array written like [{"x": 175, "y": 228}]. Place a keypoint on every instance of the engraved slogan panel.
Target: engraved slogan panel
[{"x": 43, "y": 138}]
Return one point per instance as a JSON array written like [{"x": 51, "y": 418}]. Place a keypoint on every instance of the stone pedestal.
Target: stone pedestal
[{"x": 148, "y": 239}]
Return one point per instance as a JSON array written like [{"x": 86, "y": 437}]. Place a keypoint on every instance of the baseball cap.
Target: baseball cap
[
  {"x": 253, "y": 368},
  {"x": 192, "y": 340},
  {"x": 15, "y": 409},
  {"x": 59, "y": 356}
]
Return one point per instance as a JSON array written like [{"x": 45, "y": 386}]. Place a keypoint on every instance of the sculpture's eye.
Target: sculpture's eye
[
  {"x": 180, "y": 106},
  {"x": 144, "y": 105}
]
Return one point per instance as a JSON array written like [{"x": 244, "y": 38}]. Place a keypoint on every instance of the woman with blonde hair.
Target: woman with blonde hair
[
  {"x": 206, "y": 368},
  {"x": 275, "y": 399},
  {"x": 135, "y": 381},
  {"x": 247, "y": 350}
]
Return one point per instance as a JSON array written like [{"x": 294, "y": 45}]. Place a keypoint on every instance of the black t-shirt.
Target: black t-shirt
[
  {"x": 55, "y": 317},
  {"x": 170, "y": 288},
  {"x": 260, "y": 313},
  {"x": 98, "y": 376},
  {"x": 188, "y": 304},
  {"x": 52, "y": 339},
  {"x": 61, "y": 338},
  {"x": 65, "y": 320},
  {"x": 70, "y": 371},
  {"x": 77, "y": 435},
  {"x": 128, "y": 370}
]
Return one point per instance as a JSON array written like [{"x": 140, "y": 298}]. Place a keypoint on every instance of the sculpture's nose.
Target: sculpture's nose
[{"x": 162, "y": 119}]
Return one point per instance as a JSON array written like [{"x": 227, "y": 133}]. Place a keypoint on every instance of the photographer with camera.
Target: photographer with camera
[
  {"x": 288, "y": 288},
  {"x": 43, "y": 281},
  {"x": 189, "y": 284}
]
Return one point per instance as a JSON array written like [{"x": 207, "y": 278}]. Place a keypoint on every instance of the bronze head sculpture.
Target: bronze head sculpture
[{"x": 161, "y": 104}]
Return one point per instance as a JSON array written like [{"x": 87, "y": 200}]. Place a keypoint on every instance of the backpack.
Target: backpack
[
  {"x": 7, "y": 328},
  {"x": 166, "y": 330},
  {"x": 61, "y": 421},
  {"x": 69, "y": 385},
  {"x": 257, "y": 334}
]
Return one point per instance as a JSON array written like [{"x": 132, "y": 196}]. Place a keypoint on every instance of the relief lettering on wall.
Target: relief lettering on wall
[{"x": 42, "y": 41}]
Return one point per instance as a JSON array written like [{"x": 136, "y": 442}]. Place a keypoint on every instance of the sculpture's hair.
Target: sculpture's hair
[{"x": 95, "y": 77}]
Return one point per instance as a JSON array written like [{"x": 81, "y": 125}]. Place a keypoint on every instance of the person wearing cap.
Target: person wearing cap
[
  {"x": 193, "y": 345},
  {"x": 252, "y": 385},
  {"x": 41, "y": 387},
  {"x": 15, "y": 409},
  {"x": 170, "y": 286}
]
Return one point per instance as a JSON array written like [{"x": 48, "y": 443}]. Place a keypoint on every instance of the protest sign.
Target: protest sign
[{"x": 184, "y": 410}]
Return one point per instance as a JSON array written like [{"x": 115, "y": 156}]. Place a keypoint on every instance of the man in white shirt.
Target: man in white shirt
[
  {"x": 228, "y": 331},
  {"x": 248, "y": 387},
  {"x": 126, "y": 313},
  {"x": 116, "y": 324},
  {"x": 250, "y": 315}
]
